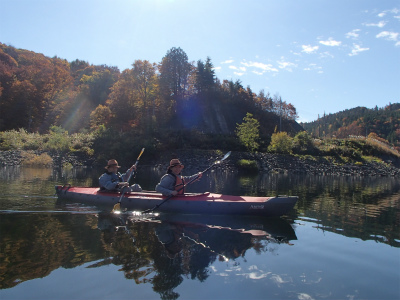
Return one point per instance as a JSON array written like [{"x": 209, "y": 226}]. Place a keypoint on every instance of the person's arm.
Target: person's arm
[
  {"x": 192, "y": 177},
  {"x": 166, "y": 185},
  {"x": 125, "y": 176}
]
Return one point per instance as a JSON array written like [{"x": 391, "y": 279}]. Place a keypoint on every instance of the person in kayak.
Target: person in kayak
[
  {"x": 173, "y": 182},
  {"x": 113, "y": 181}
]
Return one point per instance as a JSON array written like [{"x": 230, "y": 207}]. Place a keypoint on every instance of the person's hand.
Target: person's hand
[
  {"x": 133, "y": 167},
  {"x": 174, "y": 193},
  {"x": 121, "y": 184},
  {"x": 200, "y": 174}
]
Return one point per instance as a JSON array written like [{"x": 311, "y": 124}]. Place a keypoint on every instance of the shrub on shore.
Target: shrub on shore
[
  {"x": 247, "y": 165},
  {"x": 109, "y": 143},
  {"x": 33, "y": 160},
  {"x": 57, "y": 140},
  {"x": 281, "y": 142}
]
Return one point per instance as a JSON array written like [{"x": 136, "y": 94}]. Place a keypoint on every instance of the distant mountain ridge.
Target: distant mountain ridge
[{"x": 359, "y": 121}]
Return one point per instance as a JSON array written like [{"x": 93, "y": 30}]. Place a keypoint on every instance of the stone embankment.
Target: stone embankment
[
  {"x": 322, "y": 166},
  {"x": 16, "y": 157},
  {"x": 283, "y": 164},
  {"x": 267, "y": 163}
]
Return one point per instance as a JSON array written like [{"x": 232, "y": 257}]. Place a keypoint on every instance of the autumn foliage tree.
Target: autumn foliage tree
[
  {"x": 281, "y": 142},
  {"x": 171, "y": 100}
]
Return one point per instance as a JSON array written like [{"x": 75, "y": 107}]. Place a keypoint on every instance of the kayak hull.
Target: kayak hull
[{"x": 206, "y": 203}]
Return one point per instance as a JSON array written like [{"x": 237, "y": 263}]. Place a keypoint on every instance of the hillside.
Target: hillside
[
  {"x": 149, "y": 99},
  {"x": 384, "y": 122}
]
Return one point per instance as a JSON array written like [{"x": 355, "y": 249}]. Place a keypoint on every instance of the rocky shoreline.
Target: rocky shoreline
[
  {"x": 285, "y": 164},
  {"x": 199, "y": 160},
  {"x": 16, "y": 157}
]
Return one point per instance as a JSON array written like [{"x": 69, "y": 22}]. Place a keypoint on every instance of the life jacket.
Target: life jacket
[{"x": 179, "y": 184}]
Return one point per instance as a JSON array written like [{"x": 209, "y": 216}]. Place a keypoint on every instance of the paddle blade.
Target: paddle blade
[
  {"x": 117, "y": 207},
  {"x": 226, "y": 155},
  {"x": 222, "y": 159}
]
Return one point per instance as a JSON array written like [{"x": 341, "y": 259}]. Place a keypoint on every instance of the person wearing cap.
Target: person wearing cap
[
  {"x": 173, "y": 182},
  {"x": 113, "y": 181}
]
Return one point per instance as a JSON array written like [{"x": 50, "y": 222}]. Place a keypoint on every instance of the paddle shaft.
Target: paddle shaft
[
  {"x": 189, "y": 182},
  {"x": 130, "y": 175}
]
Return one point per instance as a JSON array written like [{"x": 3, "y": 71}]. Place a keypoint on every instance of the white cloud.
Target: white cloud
[
  {"x": 357, "y": 49},
  {"x": 217, "y": 69},
  {"x": 353, "y": 34},
  {"x": 259, "y": 65},
  {"x": 397, "y": 44},
  {"x": 330, "y": 42},
  {"x": 229, "y": 61},
  {"x": 326, "y": 54},
  {"x": 380, "y": 24},
  {"x": 387, "y": 35},
  {"x": 393, "y": 11},
  {"x": 286, "y": 65},
  {"x": 243, "y": 69},
  {"x": 313, "y": 67},
  {"x": 309, "y": 49},
  {"x": 258, "y": 73},
  {"x": 238, "y": 73}
]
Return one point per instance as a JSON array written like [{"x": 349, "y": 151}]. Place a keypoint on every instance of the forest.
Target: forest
[
  {"x": 151, "y": 99},
  {"x": 50, "y": 104},
  {"x": 384, "y": 122}
]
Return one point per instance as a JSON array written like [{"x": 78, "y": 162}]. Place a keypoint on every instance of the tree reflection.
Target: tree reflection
[
  {"x": 164, "y": 251},
  {"x": 33, "y": 244}
]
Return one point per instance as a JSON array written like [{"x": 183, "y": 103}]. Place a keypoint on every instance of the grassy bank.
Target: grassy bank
[
  {"x": 57, "y": 140},
  {"x": 102, "y": 145}
]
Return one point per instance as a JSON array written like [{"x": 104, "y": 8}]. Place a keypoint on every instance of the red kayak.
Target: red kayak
[{"x": 206, "y": 203}]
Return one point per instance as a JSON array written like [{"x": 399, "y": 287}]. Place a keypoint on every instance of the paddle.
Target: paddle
[
  {"x": 195, "y": 178},
  {"x": 117, "y": 207}
]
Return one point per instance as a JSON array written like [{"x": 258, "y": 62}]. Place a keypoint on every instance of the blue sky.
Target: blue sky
[{"x": 321, "y": 56}]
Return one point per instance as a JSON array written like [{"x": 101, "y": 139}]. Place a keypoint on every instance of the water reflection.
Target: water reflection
[
  {"x": 33, "y": 245},
  {"x": 164, "y": 251},
  {"x": 170, "y": 248},
  {"x": 161, "y": 251},
  {"x": 365, "y": 208}
]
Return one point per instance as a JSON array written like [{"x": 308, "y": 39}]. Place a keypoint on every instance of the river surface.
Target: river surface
[{"x": 341, "y": 241}]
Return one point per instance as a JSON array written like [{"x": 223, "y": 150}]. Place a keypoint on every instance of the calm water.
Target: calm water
[{"x": 341, "y": 241}]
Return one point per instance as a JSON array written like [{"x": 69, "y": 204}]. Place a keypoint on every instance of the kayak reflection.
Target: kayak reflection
[
  {"x": 165, "y": 249},
  {"x": 225, "y": 236}
]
